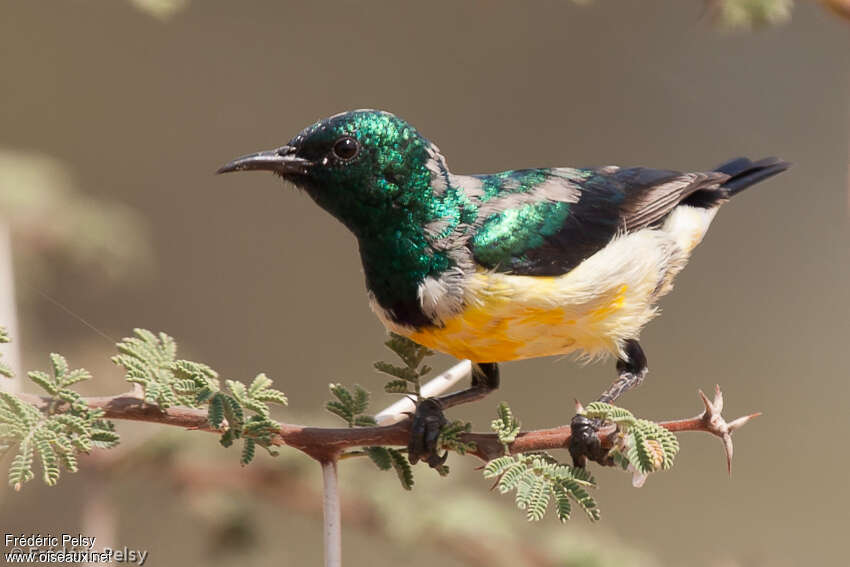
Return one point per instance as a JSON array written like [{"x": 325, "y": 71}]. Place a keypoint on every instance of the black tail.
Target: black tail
[{"x": 742, "y": 172}]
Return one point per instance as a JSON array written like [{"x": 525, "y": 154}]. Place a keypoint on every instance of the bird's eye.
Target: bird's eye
[{"x": 346, "y": 148}]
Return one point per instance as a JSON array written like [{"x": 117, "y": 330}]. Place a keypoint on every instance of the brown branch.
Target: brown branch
[{"x": 323, "y": 443}]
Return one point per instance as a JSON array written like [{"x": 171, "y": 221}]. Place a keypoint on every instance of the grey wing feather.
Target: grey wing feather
[{"x": 651, "y": 194}]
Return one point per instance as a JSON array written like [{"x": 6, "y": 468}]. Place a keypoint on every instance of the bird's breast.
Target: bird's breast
[{"x": 514, "y": 317}]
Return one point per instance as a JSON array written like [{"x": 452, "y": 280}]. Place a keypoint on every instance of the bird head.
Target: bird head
[{"x": 365, "y": 167}]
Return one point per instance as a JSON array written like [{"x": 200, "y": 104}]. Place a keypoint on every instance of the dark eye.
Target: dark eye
[{"x": 346, "y": 148}]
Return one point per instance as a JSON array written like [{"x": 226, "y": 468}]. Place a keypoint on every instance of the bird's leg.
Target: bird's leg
[
  {"x": 485, "y": 379},
  {"x": 630, "y": 372},
  {"x": 584, "y": 442},
  {"x": 428, "y": 419}
]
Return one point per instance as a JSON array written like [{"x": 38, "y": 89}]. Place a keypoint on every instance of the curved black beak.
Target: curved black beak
[{"x": 282, "y": 160}]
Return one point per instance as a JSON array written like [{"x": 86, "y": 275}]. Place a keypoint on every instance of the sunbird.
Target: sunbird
[{"x": 505, "y": 266}]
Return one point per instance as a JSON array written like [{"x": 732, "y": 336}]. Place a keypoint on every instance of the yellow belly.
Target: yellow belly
[{"x": 516, "y": 317}]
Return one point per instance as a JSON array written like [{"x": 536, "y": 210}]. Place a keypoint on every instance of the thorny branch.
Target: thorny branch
[{"x": 324, "y": 444}]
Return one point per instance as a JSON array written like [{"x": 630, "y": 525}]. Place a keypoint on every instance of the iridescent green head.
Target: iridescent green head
[{"x": 365, "y": 167}]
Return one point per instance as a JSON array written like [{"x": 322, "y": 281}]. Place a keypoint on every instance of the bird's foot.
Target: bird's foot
[
  {"x": 426, "y": 423},
  {"x": 586, "y": 442}
]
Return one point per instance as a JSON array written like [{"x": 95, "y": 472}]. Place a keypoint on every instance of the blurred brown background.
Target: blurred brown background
[{"x": 251, "y": 276}]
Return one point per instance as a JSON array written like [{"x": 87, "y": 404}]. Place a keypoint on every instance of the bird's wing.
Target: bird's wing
[{"x": 547, "y": 221}]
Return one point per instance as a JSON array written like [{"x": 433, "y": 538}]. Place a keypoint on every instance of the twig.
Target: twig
[
  {"x": 711, "y": 421},
  {"x": 325, "y": 444}
]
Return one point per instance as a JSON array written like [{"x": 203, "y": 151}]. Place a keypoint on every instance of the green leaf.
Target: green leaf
[
  {"x": 59, "y": 364},
  {"x": 19, "y": 410},
  {"x": 450, "y": 437},
  {"x": 580, "y": 495},
  {"x": 523, "y": 488},
  {"x": 343, "y": 406},
  {"x": 402, "y": 468},
  {"x": 49, "y": 460},
  {"x": 44, "y": 381},
  {"x": 204, "y": 395},
  {"x": 506, "y": 426},
  {"x": 215, "y": 414},
  {"x": 380, "y": 456},
  {"x": 168, "y": 346},
  {"x": 260, "y": 383},
  {"x": 258, "y": 427},
  {"x": 562, "y": 503},
  {"x": 498, "y": 466},
  {"x": 149, "y": 360},
  {"x": 70, "y": 427},
  {"x": 348, "y": 405},
  {"x": 442, "y": 470},
  {"x": 234, "y": 415},
  {"x": 186, "y": 387},
  {"x": 343, "y": 395},
  {"x": 397, "y": 386},
  {"x": 260, "y": 390},
  {"x": 538, "y": 500},
  {"x": 226, "y": 438},
  {"x": 73, "y": 423},
  {"x": 364, "y": 421},
  {"x": 608, "y": 412},
  {"x": 579, "y": 475},
  {"x": 339, "y": 409},
  {"x": 247, "y": 451},
  {"x": 753, "y": 13},
  {"x": 240, "y": 393},
  {"x": 361, "y": 400},
  {"x": 511, "y": 476},
  {"x": 69, "y": 461},
  {"x": 104, "y": 438},
  {"x": 401, "y": 372},
  {"x": 670, "y": 443},
  {"x": 272, "y": 396},
  {"x": 20, "y": 471},
  {"x": 410, "y": 352},
  {"x": 538, "y": 477},
  {"x": 75, "y": 376},
  {"x": 639, "y": 453}
]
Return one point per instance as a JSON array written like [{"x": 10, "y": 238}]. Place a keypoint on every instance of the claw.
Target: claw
[
  {"x": 584, "y": 441},
  {"x": 428, "y": 421},
  {"x": 435, "y": 460},
  {"x": 579, "y": 407}
]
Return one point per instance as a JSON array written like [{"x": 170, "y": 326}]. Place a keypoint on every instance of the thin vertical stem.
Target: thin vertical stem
[
  {"x": 8, "y": 312},
  {"x": 99, "y": 514},
  {"x": 333, "y": 521}
]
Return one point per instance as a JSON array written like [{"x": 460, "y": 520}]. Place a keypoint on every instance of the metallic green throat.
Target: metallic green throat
[{"x": 385, "y": 194}]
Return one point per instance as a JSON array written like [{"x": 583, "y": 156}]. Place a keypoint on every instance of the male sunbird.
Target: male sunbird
[{"x": 505, "y": 266}]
